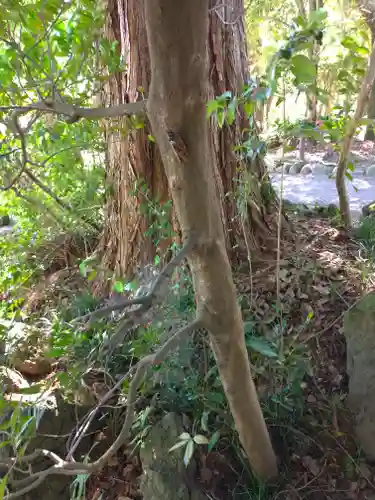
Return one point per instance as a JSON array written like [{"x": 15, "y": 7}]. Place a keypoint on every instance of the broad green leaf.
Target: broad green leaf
[
  {"x": 212, "y": 106},
  {"x": 261, "y": 346},
  {"x": 349, "y": 43},
  {"x": 189, "y": 450},
  {"x": 184, "y": 436},
  {"x": 199, "y": 439},
  {"x": 303, "y": 68},
  {"x": 214, "y": 439},
  {"x": 118, "y": 287},
  {"x": 317, "y": 16},
  {"x": 179, "y": 444}
]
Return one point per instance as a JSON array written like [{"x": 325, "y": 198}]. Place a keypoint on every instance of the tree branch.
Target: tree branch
[
  {"x": 156, "y": 289},
  {"x": 75, "y": 113}
]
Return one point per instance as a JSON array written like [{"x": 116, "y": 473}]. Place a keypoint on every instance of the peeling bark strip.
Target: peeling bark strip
[{"x": 177, "y": 35}]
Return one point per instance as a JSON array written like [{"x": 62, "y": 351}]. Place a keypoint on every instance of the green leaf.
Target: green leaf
[
  {"x": 199, "y": 439},
  {"x": 317, "y": 16},
  {"x": 188, "y": 452},
  {"x": 220, "y": 118},
  {"x": 225, "y": 95},
  {"x": 118, "y": 287},
  {"x": 261, "y": 346},
  {"x": 151, "y": 138},
  {"x": 211, "y": 107},
  {"x": 184, "y": 436},
  {"x": 249, "y": 107},
  {"x": 350, "y": 166},
  {"x": 303, "y": 68},
  {"x": 3, "y": 484},
  {"x": 33, "y": 389},
  {"x": 179, "y": 444},
  {"x": 231, "y": 111},
  {"x": 204, "y": 420},
  {"x": 14, "y": 418},
  {"x": 92, "y": 275},
  {"x": 349, "y": 43},
  {"x": 214, "y": 439}
]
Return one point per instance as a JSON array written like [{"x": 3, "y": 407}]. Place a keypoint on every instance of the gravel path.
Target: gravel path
[{"x": 311, "y": 189}]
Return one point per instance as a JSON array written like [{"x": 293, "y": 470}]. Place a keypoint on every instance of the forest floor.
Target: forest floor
[{"x": 321, "y": 275}]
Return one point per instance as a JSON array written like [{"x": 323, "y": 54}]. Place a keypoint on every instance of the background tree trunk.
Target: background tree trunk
[
  {"x": 370, "y": 134},
  {"x": 368, "y": 11},
  {"x": 177, "y": 34},
  {"x": 124, "y": 242}
]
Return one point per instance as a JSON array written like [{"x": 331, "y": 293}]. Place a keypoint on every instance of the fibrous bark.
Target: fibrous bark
[
  {"x": 131, "y": 156},
  {"x": 177, "y": 34},
  {"x": 134, "y": 157}
]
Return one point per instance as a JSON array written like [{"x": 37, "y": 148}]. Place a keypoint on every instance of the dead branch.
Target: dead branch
[
  {"x": 65, "y": 468},
  {"x": 75, "y": 113},
  {"x": 157, "y": 290},
  {"x": 56, "y": 198},
  {"x": 16, "y": 128}
]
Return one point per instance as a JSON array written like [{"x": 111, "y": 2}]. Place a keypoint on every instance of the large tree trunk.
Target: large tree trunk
[
  {"x": 124, "y": 242},
  {"x": 177, "y": 34},
  {"x": 132, "y": 158}
]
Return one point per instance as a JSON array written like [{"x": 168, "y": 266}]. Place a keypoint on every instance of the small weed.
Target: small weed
[{"x": 365, "y": 232}]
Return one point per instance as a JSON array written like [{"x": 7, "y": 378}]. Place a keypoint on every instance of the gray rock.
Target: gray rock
[
  {"x": 11, "y": 380},
  {"x": 359, "y": 327},
  {"x": 370, "y": 171},
  {"x": 330, "y": 167},
  {"x": 369, "y": 209},
  {"x": 296, "y": 167},
  {"x": 164, "y": 473},
  {"x": 55, "y": 420},
  {"x": 284, "y": 168},
  {"x": 319, "y": 168},
  {"x": 306, "y": 170}
]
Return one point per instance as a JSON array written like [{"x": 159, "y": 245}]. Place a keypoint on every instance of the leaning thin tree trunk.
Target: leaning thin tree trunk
[
  {"x": 125, "y": 241},
  {"x": 362, "y": 100},
  {"x": 177, "y": 34},
  {"x": 367, "y": 8}
]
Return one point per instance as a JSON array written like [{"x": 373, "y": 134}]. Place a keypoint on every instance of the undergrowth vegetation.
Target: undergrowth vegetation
[{"x": 292, "y": 296}]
